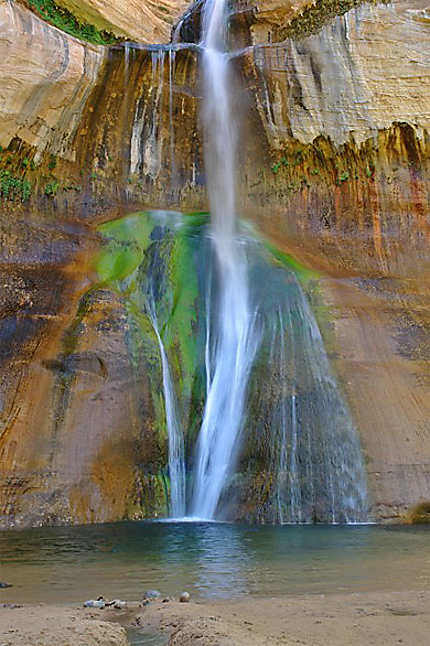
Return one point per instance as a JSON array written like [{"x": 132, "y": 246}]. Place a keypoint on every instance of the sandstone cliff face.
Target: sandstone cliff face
[
  {"x": 334, "y": 169},
  {"x": 46, "y": 79},
  {"x": 360, "y": 74},
  {"x": 146, "y": 22}
]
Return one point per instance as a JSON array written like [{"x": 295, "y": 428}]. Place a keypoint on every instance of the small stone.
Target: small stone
[
  {"x": 119, "y": 605},
  {"x": 151, "y": 594},
  {"x": 185, "y": 597},
  {"x": 92, "y": 603}
]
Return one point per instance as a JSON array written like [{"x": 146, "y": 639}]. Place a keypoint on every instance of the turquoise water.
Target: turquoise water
[{"x": 215, "y": 560}]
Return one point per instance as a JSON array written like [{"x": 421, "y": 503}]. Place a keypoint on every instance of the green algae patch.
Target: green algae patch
[
  {"x": 133, "y": 228},
  {"x": 119, "y": 262},
  {"x": 127, "y": 240}
]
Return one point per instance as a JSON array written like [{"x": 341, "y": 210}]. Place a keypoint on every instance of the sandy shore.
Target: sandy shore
[
  {"x": 361, "y": 619},
  {"x": 57, "y": 626}
]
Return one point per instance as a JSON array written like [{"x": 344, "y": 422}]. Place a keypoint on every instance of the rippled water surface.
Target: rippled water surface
[{"x": 70, "y": 564}]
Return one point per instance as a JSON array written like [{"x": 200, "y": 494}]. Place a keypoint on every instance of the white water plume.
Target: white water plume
[{"x": 231, "y": 337}]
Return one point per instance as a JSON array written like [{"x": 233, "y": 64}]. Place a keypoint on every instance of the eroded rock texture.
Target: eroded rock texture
[
  {"x": 334, "y": 169},
  {"x": 46, "y": 79},
  {"x": 146, "y": 22}
]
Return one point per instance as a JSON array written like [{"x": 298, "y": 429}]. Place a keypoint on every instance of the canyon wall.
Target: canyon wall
[
  {"x": 334, "y": 169},
  {"x": 146, "y": 22}
]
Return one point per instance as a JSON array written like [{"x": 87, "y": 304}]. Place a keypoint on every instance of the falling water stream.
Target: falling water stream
[
  {"x": 233, "y": 341},
  {"x": 175, "y": 435}
]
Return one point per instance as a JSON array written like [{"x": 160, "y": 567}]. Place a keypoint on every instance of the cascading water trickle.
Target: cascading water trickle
[
  {"x": 231, "y": 337},
  {"x": 175, "y": 436}
]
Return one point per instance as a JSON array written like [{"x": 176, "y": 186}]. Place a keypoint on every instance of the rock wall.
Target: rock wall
[
  {"x": 46, "y": 80},
  {"x": 334, "y": 168},
  {"x": 145, "y": 22}
]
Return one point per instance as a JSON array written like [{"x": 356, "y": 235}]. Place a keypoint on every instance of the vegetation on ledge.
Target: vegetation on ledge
[{"x": 66, "y": 21}]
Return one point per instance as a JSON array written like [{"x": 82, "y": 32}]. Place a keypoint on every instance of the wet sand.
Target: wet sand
[{"x": 361, "y": 619}]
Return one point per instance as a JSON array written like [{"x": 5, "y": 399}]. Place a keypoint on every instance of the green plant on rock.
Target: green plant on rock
[
  {"x": 51, "y": 189},
  {"x": 25, "y": 190},
  {"x": 277, "y": 166},
  {"x": 14, "y": 188},
  {"x": 63, "y": 19},
  {"x": 52, "y": 162}
]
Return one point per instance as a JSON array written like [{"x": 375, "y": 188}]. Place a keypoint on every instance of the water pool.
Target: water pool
[{"x": 210, "y": 560}]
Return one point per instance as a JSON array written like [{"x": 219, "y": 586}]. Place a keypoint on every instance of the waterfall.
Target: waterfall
[
  {"x": 299, "y": 457},
  {"x": 231, "y": 336},
  {"x": 316, "y": 462},
  {"x": 259, "y": 362},
  {"x": 175, "y": 436}
]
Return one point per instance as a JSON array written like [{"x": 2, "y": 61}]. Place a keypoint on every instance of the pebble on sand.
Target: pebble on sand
[{"x": 185, "y": 597}]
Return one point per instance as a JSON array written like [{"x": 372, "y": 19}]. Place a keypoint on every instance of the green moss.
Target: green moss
[
  {"x": 66, "y": 21},
  {"x": 182, "y": 319},
  {"x": 121, "y": 261}
]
